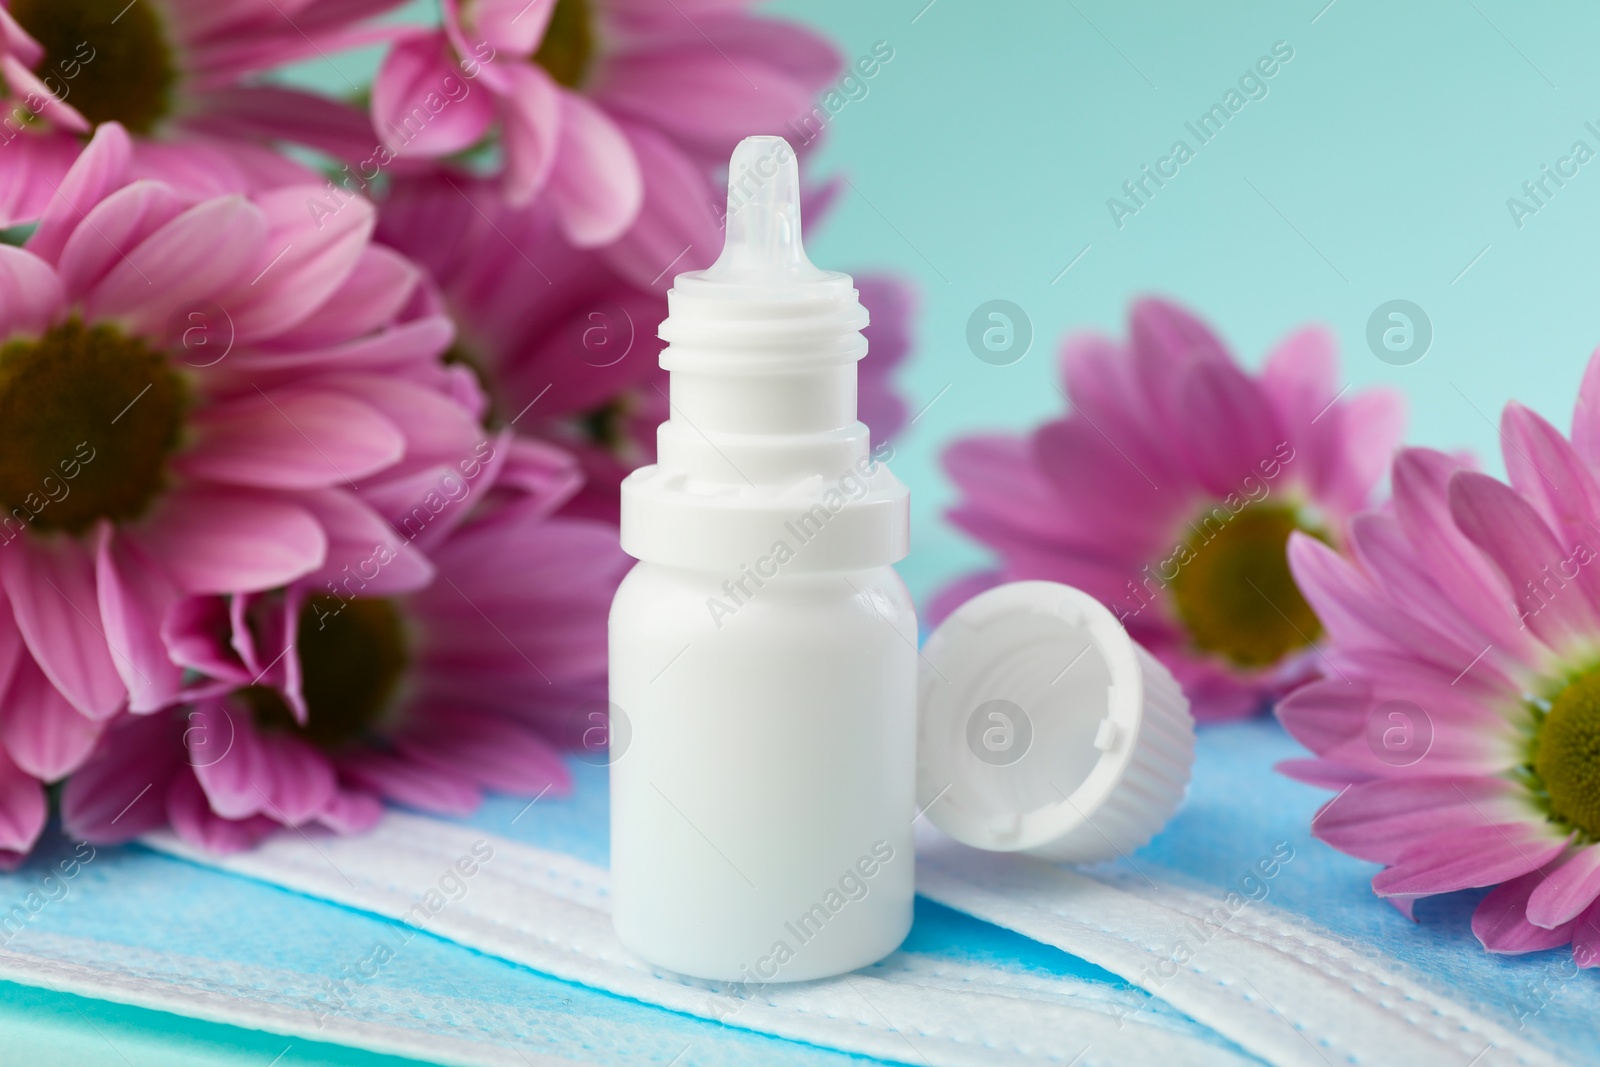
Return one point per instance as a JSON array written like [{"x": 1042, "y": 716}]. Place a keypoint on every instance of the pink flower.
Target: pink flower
[
  {"x": 1462, "y": 720},
  {"x": 177, "y": 75},
  {"x": 327, "y": 703},
  {"x": 615, "y": 112},
  {"x": 201, "y": 397},
  {"x": 1170, "y": 490},
  {"x": 565, "y": 346}
]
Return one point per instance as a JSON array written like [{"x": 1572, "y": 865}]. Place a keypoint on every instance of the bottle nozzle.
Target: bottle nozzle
[{"x": 762, "y": 242}]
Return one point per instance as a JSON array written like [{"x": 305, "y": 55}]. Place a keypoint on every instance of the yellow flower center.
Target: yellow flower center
[
  {"x": 107, "y": 58},
  {"x": 1233, "y": 589},
  {"x": 89, "y": 416},
  {"x": 568, "y": 45},
  {"x": 1566, "y": 755},
  {"x": 353, "y": 654}
]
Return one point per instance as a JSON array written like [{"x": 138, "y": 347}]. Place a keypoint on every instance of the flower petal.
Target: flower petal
[
  {"x": 23, "y": 84},
  {"x": 381, "y": 284},
  {"x": 1501, "y": 922},
  {"x": 203, "y": 252},
  {"x": 351, "y": 811},
  {"x": 694, "y": 93},
  {"x": 51, "y": 584},
  {"x": 1549, "y": 473},
  {"x": 1469, "y": 581},
  {"x": 426, "y": 786},
  {"x": 291, "y": 439},
  {"x": 196, "y": 635},
  {"x": 514, "y": 26},
  {"x": 112, "y": 228},
  {"x": 435, "y": 429},
  {"x": 1228, "y": 427},
  {"x": 1380, "y": 820},
  {"x": 36, "y": 162},
  {"x": 229, "y": 760},
  {"x": 1321, "y": 773},
  {"x": 227, "y": 541},
  {"x": 99, "y": 167},
  {"x": 492, "y": 750},
  {"x": 1357, "y": 447},
  {"x": 1566, "y": 892},
  {"x": 412, "y": 71},
  {"x": 1516, "y": 539},
  {"x": 134, "y": 598},
  {"x": 302, "y": 260},
  {"x": 1326, "y": 713},
  {"x": 1163, "y": 340},
  {"x": 43, "y": 734},
  {"x": 366, "y": 557},
  {"x": 1586, "y": 414},
  {"x": 1470, "y": 856},
  {"x": 22, "y": 807},
  {"x": 530, "y": 119},
  {"x": 1378, "y": 540},
  {"x": 200, "y": 826},
  {"x": 675, "y": 229},
  {"x": 299, "y": 780},
  {"x": 595, "y": 185},
  {"x": 120, "y": 792},
  {"x": 31, "y": 296},
  {"x": 232, "y": 112},
  {"x": 1355, "y": 613}
]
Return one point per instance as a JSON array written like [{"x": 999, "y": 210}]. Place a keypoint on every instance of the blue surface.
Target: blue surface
[{"x": 1237, "y": 812}]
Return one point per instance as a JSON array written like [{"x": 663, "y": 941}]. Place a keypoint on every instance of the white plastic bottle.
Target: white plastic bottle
[{"x": 763, "y": 652}]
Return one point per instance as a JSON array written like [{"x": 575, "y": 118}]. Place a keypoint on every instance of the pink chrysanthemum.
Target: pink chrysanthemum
[
  {"x": 566, "y": 347},
  {"x": 616, "y": 112},
  {"x": 199, "y": 397},
  {"x": 1170, "y": 490},
  {"x": 1462, "y": 716},
  {"x": 177, "y": 75},
  {"x": 325, "y": 703}
]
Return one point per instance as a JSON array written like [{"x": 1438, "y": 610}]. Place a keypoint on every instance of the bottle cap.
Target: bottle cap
[{"x": 1044, "y": 728}]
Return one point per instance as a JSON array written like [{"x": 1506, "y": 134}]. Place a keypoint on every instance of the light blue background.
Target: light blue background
[{"x": 984, "y": 153}]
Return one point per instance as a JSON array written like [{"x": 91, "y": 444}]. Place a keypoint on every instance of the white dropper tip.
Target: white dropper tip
[{"x": 763, "y": 243}]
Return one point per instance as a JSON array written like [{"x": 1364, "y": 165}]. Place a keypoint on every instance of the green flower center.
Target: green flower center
[
  {"x": 1233, "y": 589},
  {"x": 1566, "y": 756},
  {"x": 568, "y": 45},
  {"x": 353, "y": 654},
  {"x": 89, "y": 416},
  {"x": 607, "y": 425},
  {"x": 107, "y": 58}
]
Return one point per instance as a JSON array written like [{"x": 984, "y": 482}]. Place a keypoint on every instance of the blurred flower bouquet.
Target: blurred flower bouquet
[{"x": 315, "y": 409}]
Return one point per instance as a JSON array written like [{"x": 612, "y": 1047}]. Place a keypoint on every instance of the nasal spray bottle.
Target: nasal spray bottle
[{"x": 763, "y": 652}]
